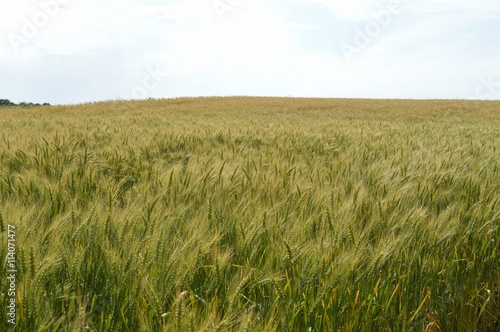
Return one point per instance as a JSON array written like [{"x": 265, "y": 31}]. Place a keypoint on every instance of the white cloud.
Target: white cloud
[
  {"x": 354, "y": 10},
  {"x": 429, "y": 6},
  {"x": 101, "y": 49}
]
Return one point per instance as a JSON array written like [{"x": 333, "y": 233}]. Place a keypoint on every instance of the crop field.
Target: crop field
[{"x": 251, "y": 214}]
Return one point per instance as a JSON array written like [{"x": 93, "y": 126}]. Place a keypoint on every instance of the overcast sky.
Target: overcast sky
[{"x": 72, "y": 51}]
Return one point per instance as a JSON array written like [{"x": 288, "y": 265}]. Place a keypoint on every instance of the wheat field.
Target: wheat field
[{"x": 253, "y": 214}]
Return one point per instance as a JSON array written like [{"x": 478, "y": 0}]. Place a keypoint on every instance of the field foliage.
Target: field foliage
[{"x": 253, "y": 214}]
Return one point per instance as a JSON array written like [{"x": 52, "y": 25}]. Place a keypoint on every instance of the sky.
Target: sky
[{"x": 75, "y": 51}]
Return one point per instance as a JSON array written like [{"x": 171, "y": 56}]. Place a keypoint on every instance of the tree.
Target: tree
[{"x": 6, "y": 102}]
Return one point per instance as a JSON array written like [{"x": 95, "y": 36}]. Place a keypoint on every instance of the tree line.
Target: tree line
[{"x": 6, "y": 102}]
